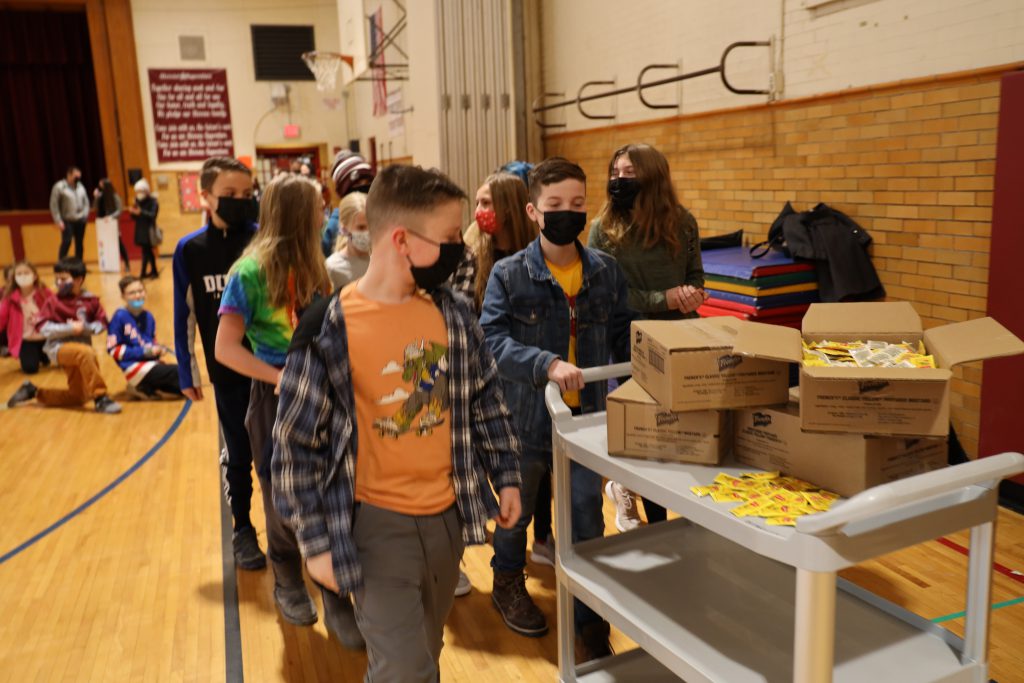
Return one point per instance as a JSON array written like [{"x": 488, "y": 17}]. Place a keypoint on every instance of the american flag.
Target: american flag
[{"x": 380, "y": 84}]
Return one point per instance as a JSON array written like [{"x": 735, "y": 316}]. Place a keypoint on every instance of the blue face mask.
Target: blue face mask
[{"x": 137, "y": 304}]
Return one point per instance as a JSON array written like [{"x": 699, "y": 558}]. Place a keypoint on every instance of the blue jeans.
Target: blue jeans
[{"x": 587, "y": 518}]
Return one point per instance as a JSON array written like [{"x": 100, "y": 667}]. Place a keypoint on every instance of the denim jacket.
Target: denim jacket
[{"x": 526, "y": 324}]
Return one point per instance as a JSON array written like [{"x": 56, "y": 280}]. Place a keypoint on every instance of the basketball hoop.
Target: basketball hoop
[{"x": 324, "y": 66}]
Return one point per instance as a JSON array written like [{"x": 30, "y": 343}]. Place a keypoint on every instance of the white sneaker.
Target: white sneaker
[
  {"x": 626, "y": 516},
  {"x": 463, "y": 587},
  {"x": 544, "y": 553}
]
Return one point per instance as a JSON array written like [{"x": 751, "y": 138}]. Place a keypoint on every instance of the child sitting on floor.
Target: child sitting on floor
[{"x": 131, "y": 341}]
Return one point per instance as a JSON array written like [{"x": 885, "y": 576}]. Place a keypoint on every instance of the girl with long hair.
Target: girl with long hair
[
  {"x": 279, "y": 274},
  {"x": 656, "y": 241},
  {"x": 504, "y": 226}
]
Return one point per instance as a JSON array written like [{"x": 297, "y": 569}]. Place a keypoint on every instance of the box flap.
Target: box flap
[
  {"x": 773, "y": 342},
  {"x": 632, "y": 392},
  {"x": 861, "y": 319},
  {"x": 971, "y": 340},
  {"x": 688, "y": 335}
]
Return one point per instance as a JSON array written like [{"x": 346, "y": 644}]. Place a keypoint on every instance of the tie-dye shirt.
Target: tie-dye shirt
[{"x": 268, "y": 329}]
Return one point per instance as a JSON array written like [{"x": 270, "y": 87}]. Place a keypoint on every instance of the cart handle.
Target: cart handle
[
  {"x": 557, "y": 408},
  {"x": 877, "y": 503}
]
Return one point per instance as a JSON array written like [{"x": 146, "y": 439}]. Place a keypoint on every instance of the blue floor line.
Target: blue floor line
[{"x": 104, "y": 491}]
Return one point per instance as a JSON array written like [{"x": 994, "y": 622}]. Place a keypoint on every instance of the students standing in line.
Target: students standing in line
[
  {"x": 657, "y": 244},
  {"x": 280, "y": 274},
  {"x": 201, "y": 263},
  {"x": 392, "y": 437},
  {"x": 549, "y": 310},
  {"x": 351, "y": 254}
]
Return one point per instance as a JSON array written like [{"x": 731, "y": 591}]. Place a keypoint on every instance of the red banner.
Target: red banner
[{"x": 191, "y": 114}]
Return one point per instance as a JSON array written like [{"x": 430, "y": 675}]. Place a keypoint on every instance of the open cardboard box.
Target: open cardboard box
[
  {"x": 690, "y": 365},
  {"x": 882, "y": 401},
  {"x": 638, "y": 427},
  {"x": 770, "y": 438}
]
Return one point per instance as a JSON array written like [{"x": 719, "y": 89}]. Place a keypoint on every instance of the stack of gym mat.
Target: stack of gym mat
[{"x": 774, "y": 289}]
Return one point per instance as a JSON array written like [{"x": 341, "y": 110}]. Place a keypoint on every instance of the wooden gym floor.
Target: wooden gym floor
[{"x": 126, "y": 579}]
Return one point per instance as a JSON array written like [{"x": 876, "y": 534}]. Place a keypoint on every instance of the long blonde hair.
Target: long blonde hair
[
  {"x": 350, "y": 205},
  {"x": 510, "y": 197},
  {"x": 287, "y": 244},
  {"x": 657, "y": 213}
]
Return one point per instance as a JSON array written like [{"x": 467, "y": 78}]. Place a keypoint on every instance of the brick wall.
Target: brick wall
[{"x": 912, "y": 162}]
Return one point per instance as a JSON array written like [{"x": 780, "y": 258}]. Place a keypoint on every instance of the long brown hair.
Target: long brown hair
[
  {"x": 656, "y": 213},
  {"x": 287, "y": 244},
  {"x": 509, "y": 196}
]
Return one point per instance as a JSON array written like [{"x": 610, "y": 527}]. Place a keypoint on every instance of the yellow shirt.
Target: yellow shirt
[
  {"x": 399, "y": 359},
  {"x": 570, "y": 278}
]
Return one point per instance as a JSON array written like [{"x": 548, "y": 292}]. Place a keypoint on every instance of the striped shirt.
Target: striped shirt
[{"x": 316, "y": 437}]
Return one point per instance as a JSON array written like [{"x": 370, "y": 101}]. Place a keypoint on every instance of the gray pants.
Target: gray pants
[
  {"x": 410, "y": 569},
  {"x": 282, "y": 548}
]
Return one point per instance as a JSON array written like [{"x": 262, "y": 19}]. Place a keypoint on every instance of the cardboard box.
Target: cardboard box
[
  {"x": 638, "y": 427},
  {"x": 771, "y": 439},
  {"x": 690, "y": 365},
  {"x": 883, "y": 401}
]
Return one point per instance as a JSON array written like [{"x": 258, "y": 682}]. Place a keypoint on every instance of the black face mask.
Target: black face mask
[
  {"x": 563, "y": 227},
  {"x": 623, "y": 192},
  {"x": 238, "y": 212},
  {"x": 433, "y": 276}
]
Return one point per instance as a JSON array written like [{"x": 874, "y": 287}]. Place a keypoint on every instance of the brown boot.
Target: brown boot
[
  {"x": 516, "y": 606},
  {"x": 592, "y": 642}
]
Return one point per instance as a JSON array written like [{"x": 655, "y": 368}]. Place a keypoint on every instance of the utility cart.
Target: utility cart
[{"x": 711, "y": 597}]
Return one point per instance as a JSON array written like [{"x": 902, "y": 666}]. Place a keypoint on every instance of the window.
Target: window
[{"x": 277, "y": 52}]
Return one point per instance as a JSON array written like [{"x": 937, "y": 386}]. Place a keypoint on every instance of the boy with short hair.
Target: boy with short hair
[
  {"x": 67, "y": 322},
  {"x": 201, "y": 264},
  {"x": 548, "y": 310},
  {"x": 131, "y": 342},
  {"x": 395, "y": 370}
]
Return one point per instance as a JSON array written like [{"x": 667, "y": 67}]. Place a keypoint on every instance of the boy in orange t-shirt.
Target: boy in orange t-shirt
[{"x": 391, "y": 430}]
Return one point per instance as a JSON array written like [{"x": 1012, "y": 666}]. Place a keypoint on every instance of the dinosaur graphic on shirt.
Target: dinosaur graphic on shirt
[{"x": 424, "y": 369}]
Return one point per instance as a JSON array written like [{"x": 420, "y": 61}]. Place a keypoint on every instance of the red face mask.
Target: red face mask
[{"x": 487, "y": 221}]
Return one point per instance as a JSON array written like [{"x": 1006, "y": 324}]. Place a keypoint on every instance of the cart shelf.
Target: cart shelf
[{"x": 711, "y": 610}]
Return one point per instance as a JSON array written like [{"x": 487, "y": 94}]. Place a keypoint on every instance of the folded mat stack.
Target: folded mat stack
[{"x": 775, "y": 288}]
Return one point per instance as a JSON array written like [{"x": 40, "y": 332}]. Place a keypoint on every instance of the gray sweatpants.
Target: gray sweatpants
[
  {"x": 410, "y": 569},
  {"x": 282, "y": 547}
]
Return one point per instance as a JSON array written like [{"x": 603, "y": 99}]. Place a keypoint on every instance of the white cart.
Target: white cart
[{"x": 716, "y": 598}]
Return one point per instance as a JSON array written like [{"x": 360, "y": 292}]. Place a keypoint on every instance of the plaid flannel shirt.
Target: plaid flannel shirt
[
  {"x": 463, "y": 280},
  {"x": 315, "y": 436}
]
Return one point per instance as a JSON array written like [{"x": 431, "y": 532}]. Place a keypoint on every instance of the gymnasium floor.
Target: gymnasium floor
[{"x": 129, "y": 582}]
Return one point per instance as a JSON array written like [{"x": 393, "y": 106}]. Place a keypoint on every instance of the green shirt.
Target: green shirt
[{"x": 652, "y": 270}]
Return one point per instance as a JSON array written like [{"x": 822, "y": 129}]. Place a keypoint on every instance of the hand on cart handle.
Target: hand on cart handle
[
  {"x": 511, "y": 507},
  {"x": 567, "y": 376}
]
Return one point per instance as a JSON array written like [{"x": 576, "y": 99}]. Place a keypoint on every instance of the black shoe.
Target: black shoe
[
  {"x": 517, "y": 608},
  {"x": 248, "y": 555},
  {"x": 592, "y": 642},
  {"x": 295, "y": 605},
  {"x": 26, "y": 392},
  {"x": 107, "y": 406}
]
